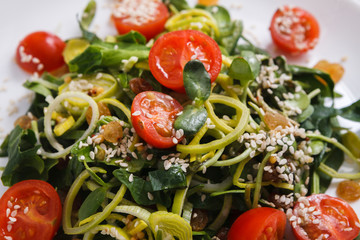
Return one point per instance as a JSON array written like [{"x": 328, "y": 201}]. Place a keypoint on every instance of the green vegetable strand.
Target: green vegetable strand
[{"x": 223, "y": 214}]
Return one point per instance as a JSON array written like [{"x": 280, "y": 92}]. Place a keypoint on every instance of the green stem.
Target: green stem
[
  {"x": 334, "y": 174},
  {"x": 315, "y": 186},
  {"x": 223, "y": 215},
  {"x": 313, "y": 93},
  {"x": 234, "y": 160},
  {"x": 214, "y": 194}
]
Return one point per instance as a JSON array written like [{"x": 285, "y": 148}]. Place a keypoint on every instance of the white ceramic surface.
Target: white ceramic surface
[{"x": 339, "y": 42}]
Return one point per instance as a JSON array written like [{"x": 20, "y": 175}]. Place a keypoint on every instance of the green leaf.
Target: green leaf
[
  {"x": 241, "y": 70},
  {"x": 310, "y": 76},
  {"x": 139, "y": 189},
  {"x": 305, "y": 114},
  {"x": 88, "y": 14},
  {"x": 191, "y": 120},
  {"x": 38, "y": 88},
  {"x": 92, "y": 203},
  {"x": 23, "y": 161},
  {"x": 351, "y": 112},
  {"x": 301, "y": 101},
  {"x": 4, "y": 147},
  {"x": 352, "y": 142},
  {"x": 83, "y": 63},
  {"x": 316, "y": 147},
  {"x": 196, "y": 81},
  {"x": 174, "y": 177},
  {"x": 132, "y": 37},
  {"x": 253, "y": 62},
  {"x": 178, "y": 4}
]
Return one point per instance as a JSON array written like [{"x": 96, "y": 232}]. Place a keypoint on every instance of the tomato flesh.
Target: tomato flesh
[
  {"x": 259, "y": 223},
  {"x": 153, "y": 116},
  {"x": 294, "y": 30},
  {"x": 145, "y": 16},
  {"x": 39, "y": 52},
  {"x": 31, "y": 210},
  {"x": 173, "y": 50},
  {"x": 324, "y": 217}
]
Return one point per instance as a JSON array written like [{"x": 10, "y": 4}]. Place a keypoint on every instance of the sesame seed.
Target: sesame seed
[
  {"x": 26, "y": 210},
  {"x": 82, "y": 157},
  {"x": 136, "y": 113},
  {"x": 92, "y": 155},
  {"x": 12, "y": 219},
  {"x": 131, "y": 178},
  {"x": 316, "y": 221},
  {"x": 252, "y": 154},
  {"x": 150, "y": 196},
  {"x": 8, "y": 238},
  {"x": 203, "y": 197},
  {"x": 348, "y": 229},
  {"x": 149, "y": 157},
  {"x": 14, "y": 213},
  {"x": 8, "y": 212},
  {"x": 9, "y": 227},
  {"x": 9, "y": 204},
  {"x": 270, "y": 148},
  {"x": 134, "y": 155},
  {"x": 123, "y": 164},
  {"x": 175, "y": 141},
  {"x": 357, "y": 224}
]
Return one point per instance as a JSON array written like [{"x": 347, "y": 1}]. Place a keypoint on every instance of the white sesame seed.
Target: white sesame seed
[
  {"x": 252, "y": 154},
  {"x": 8, "y": 238},
  {"x": 123, "y": 164},
  {"x": 92, "y": 155},
  {"x": 316, "y": 221},
  {"x": 203, "y": 197},
  {"x": 316, "y": 213},
  {"x": 150, "y": 196},
  {"x": 82, "y": 157},
  {"x": 136, "y": 113},
  {"x": 9, "y": 204},
  {"x": 9, "y": 227},
  {"x": 26, "y": 210},
  {"x": 357, "y": 224},
  {"x": 270, "y": 148},
  {"x": 149, "y": 157},
  {"x": 134, "y": 155},
  {"x": 348, "y": 229},
  {"x": 8, "y": 212},
  {"x": 131, "y": 178},
  {"x": 175, "y": 141},
  {"x": 14, "y": 213},
  {"x": 12, "y": 219}
]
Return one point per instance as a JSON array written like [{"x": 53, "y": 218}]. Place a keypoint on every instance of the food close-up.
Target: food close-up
[{"x": 175, "y": 119}]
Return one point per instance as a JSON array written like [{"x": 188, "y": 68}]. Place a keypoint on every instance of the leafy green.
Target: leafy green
[
  {"x": 23, "y": 162},
  {"x": 196, "y": 81},
  {"x": 92, "y": 203},
  {"x": 132, "y": 37},
  {"x": 88, "y": 14},
  {"x": 351, "y": 112},
  {"x": 105, "y": 55},
  {"x": 174, "y": 177},
  {"x": 140, "y": 189},
  {"x": 314, "y": 79},
  {"x": 245, "y": 68},
  {"x": 4, "y": 147},
  {"x": 191, "y": 120},
  {"x": 178, "y": 4},
  {"x": 38, "y": 88}
]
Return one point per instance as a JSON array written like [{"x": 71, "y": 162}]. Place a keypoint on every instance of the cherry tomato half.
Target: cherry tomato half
[
  {"x": 173, "y": 50},
  {"x": 324, "y": 217},
  {"x": 145, "y": 16},
  {"x": 294, "y": 30},
  {"x": 30, "y": 210},
  {"x": 259, "y": 223},
  {"x": 39, "y": 52},
  {"x": 153, "y": 115}
]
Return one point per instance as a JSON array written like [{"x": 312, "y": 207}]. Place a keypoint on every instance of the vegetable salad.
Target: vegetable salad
[{"x": 179, "y": 127}]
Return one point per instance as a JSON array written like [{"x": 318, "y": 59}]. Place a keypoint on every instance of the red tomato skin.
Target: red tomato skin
[
  {"x": 145, "y": 126},
  {"x": 252, "y": 224},
  {"x": 44, "y": 46},
  {"x": 150, "y": 29},
  {"x": 173, "y": 50},
  {"x": 333, "y": 210},
  {"x": 287, "y": 42},
  {"x": 39, "y": 222}
]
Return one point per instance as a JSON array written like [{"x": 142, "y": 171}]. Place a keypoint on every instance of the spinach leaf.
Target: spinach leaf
[
  {"x": 196, "y": 81},
  {"x": 92, "y": 203},
  {"x": 314, "y": 79},
  {"x": 132, "y": 37},
  {"x": 23, "y": 162},
  {"x": 191, "y": 120},
  {"x": 351, "y": 112},
  {"x": 178, "y": 4},
  {"x": 88, "y": 14},
  {"x": 4, "y": 147},
  {"x": 38, "y": 88},
  {"x": 245, "y": 68},
  {"x": 100, "y": 55},
  {"x": 140, "y": 189},
  {"x": 174, "y": 177}
]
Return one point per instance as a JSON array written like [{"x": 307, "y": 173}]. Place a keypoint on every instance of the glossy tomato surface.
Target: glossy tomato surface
[
  {"x": 153, "y": 115},
  {"x": 321, "y": 216},
  {"x": 294, "y": 30},
  {"x": 30, "y": 210},
  {"x": 173, "y": 50},
  {"x": 259, "y": 223},
  {"x": 39, "y": 52},
  {"x": 145, "y": 16}
]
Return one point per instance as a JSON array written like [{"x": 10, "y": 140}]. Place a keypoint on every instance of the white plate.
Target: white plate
[{"x": 339, "y": 42}]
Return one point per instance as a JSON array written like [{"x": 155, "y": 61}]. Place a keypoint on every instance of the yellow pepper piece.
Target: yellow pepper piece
[
  {"x": 61, "y": 128},
  {"x": 170, "y": 223}
]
